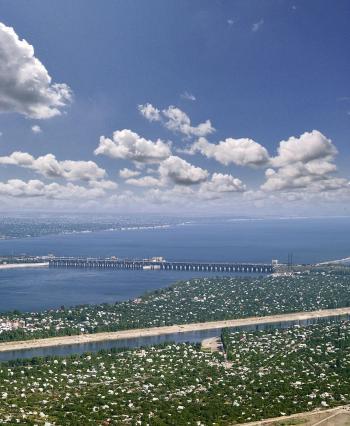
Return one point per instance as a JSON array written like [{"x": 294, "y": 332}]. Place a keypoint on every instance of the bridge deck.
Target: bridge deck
[{"x": 163, "y": 265}]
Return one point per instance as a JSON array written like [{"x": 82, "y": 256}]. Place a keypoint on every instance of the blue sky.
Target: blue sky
[{"x": 261, "y": 71}]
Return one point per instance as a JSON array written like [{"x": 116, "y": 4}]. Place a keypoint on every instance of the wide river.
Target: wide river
[{"x": 310, "y": 240}]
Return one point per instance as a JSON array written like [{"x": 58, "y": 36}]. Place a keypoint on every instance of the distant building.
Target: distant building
[
  {"x": 155, "y": 259},
  {"x": 274, "y": 262},
  {"x": 158, "y": 259},
  {"x": 9, "y": 325}
]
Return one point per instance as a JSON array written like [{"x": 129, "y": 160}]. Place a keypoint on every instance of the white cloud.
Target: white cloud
[
  {"x": 145, "y": 181},
  {"x": 242, "y": 152},
  {"x": 128, "y": 173},
  {"x": 291, "y": 177},
  {"x": 25, "y": 85},
  {"x": 176, "y": 120},
  {"x": 304, "y": 163},
  {"x": 36, "y": 129},
  {"x": 178, "y": 195},
  {"x": 188, "y": 96},
  {"x": 37, "y": 188},
  {"x": 128, "y": 145},
  {"x": 179, "y": 121},
  {"x": 220, "y": 186},
  {"x": 48, "y": 166},
  {"x": 220, "y": 183},
  {"x": 103, "y": 184},
  {"x": 149, "y": 112},
  {"x": 308, "y": 147},
  {"x": 181, "y": 172},
  {"x": 257, "y": 25},
  {"x": 81, "y": 170}
]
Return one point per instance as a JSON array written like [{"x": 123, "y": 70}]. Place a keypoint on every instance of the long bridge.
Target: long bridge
[{"x": 158, "y": 264}]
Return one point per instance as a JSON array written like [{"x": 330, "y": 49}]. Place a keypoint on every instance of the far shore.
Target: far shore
[
  {"x": 23, "y": 265},
  {"x": 157, "y": 331}
]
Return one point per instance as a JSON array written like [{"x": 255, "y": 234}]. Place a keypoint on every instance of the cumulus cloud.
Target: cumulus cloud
[
  {"x": 176, "y": 120},
  {"x": 103, "y": 184},
  {"x": 25, "y": 85},
  {"x": 37, "y": 188},
  {"x": 220, "y": 183},
  {"x": 289, "y": 178},
  {"x": 181, "y": 172},
  {"x": 242, "y": 152},
  {"x": 145, "y": 181},
  {"x": 218, "y": 187},
  {"x": 179, "y": 121},
  {"x": 48, "y": 166},
  {"x": 305, "y": 163},
  {"x": 309, "y": 146},
  {"x": 150, "y": 112},
  {"x": 36, "y": 129},
  {"x": 128, "y": 173},
  {"x": 128, "y": 145}
]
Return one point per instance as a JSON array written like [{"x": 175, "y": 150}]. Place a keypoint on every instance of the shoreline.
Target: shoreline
[
  {"x": 345, "y": 260},
  {"x": 23, "y": 265},
  {"x": 157, "y": 331}
]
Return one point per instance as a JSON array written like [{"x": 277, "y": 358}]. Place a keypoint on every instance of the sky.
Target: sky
[{"x": 202, "y": 107}]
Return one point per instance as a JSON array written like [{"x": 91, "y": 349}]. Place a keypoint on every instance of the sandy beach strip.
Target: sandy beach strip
[
  {"x": 157, "y": 331},
  {"x": 23, "y": 265}
]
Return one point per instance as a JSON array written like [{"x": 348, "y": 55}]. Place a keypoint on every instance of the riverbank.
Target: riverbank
[
  {"x": 23, "y": 265},
  {"x": 157, "y": 331}
]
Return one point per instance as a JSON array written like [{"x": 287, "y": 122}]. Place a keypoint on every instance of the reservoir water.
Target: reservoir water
[{"x": 310, "y": 240}]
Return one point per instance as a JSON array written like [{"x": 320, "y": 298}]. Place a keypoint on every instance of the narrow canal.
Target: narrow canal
[{"x": 190, "y": 337}]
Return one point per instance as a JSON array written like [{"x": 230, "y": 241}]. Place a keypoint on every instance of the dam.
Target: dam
[{"x": 159, "y": 264}]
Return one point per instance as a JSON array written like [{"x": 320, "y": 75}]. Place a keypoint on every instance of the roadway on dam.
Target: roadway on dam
[
  {"x": 163, "y": 265},
  {"x": 157, "y": 263},
  {"x": 178, "y": 328}
]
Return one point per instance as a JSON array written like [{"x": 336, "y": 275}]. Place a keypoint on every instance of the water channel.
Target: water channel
[{"x": 131, "y": 343}]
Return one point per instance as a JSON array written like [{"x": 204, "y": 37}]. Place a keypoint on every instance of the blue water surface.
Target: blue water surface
[{"x": 310, "y": 240}]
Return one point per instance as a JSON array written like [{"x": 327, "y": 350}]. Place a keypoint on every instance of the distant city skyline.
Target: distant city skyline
[{"x": 229, "y": 107}]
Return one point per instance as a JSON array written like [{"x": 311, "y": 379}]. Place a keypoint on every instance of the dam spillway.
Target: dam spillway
[{"x": 228, "y": 267}]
